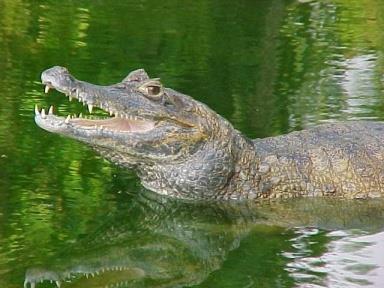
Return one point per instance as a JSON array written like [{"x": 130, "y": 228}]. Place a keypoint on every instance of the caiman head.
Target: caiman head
[{"x": 178, "y": 145}]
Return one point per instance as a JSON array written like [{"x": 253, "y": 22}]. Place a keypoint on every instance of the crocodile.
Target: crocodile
[{"x": 181, "y": 148}]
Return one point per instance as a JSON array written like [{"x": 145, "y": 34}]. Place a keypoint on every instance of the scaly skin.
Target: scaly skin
[
  {"x": 341, "y": 160},
  {"x": 181, "y": 148}
]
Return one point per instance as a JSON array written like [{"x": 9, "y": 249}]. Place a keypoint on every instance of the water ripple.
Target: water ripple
[{"x": 352, "y": 259}]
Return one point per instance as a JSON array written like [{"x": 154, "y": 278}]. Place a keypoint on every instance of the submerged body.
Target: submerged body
[{"x": 179, "y": 147}]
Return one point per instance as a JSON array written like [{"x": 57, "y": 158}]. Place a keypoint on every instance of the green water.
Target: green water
[{"x": 270, "y": 67}]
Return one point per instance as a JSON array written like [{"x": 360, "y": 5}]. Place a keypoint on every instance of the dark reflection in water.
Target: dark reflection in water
[
  {"x": 268, "y": 66},
  {"x": 161, "y": 242}
]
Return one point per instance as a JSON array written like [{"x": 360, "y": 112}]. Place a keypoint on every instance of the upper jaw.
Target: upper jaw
[
  {"x": 71, "y": 88},
  {"x": 58, "y": 78},
  {"x": 107, "y": 98}
]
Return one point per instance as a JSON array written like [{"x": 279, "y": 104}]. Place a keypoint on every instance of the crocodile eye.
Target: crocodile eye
[{"x": 153, "y": 90}]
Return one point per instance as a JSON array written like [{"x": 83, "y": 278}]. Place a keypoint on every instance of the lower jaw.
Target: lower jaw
[{"x": 116, "y": 124}]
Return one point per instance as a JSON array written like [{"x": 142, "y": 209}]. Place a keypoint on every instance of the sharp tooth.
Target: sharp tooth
[
  {"x": 81, "y": 115},
  {"x": 46, "y": 90},
  {"x": 43, "y": 113},
  {"x": 90, "y": 108},
  {"x": 110, "y": 113},
  {"x": 50, "y": 112},
  {"x": 79, "y": 98},
  {"x": 67, "y": 119},
  {"x": 77, "y": 93},
  {"x": 37, "y": 112},
  {"x": 70, "y": 98},
  {"x": 101, "y": 105}
]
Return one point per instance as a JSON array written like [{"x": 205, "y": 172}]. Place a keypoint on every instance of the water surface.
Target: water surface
[{"x": 270, "y": 67}]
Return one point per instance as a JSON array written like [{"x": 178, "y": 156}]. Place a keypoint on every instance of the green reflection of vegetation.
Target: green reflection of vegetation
[
  {"x": 323, "y": 43},
  {"x": 268, "y": 66},
  {"x": 360, "y": 23}
]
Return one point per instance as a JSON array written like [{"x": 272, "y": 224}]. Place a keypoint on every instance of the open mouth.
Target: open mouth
[{"x": 116, "y": 121}]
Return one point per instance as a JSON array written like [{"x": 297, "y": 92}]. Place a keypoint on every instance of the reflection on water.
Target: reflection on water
[
  {"x": 359, "y": 85},
  {"x": 356, "y": 259},
  {"x": 165, "y": 244},
  {"x": 170, "y": 243},
  {"x": 335, "y": 67},
  {"x": 350, "y": 258},
  {"x": 268, "y": 66}
]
